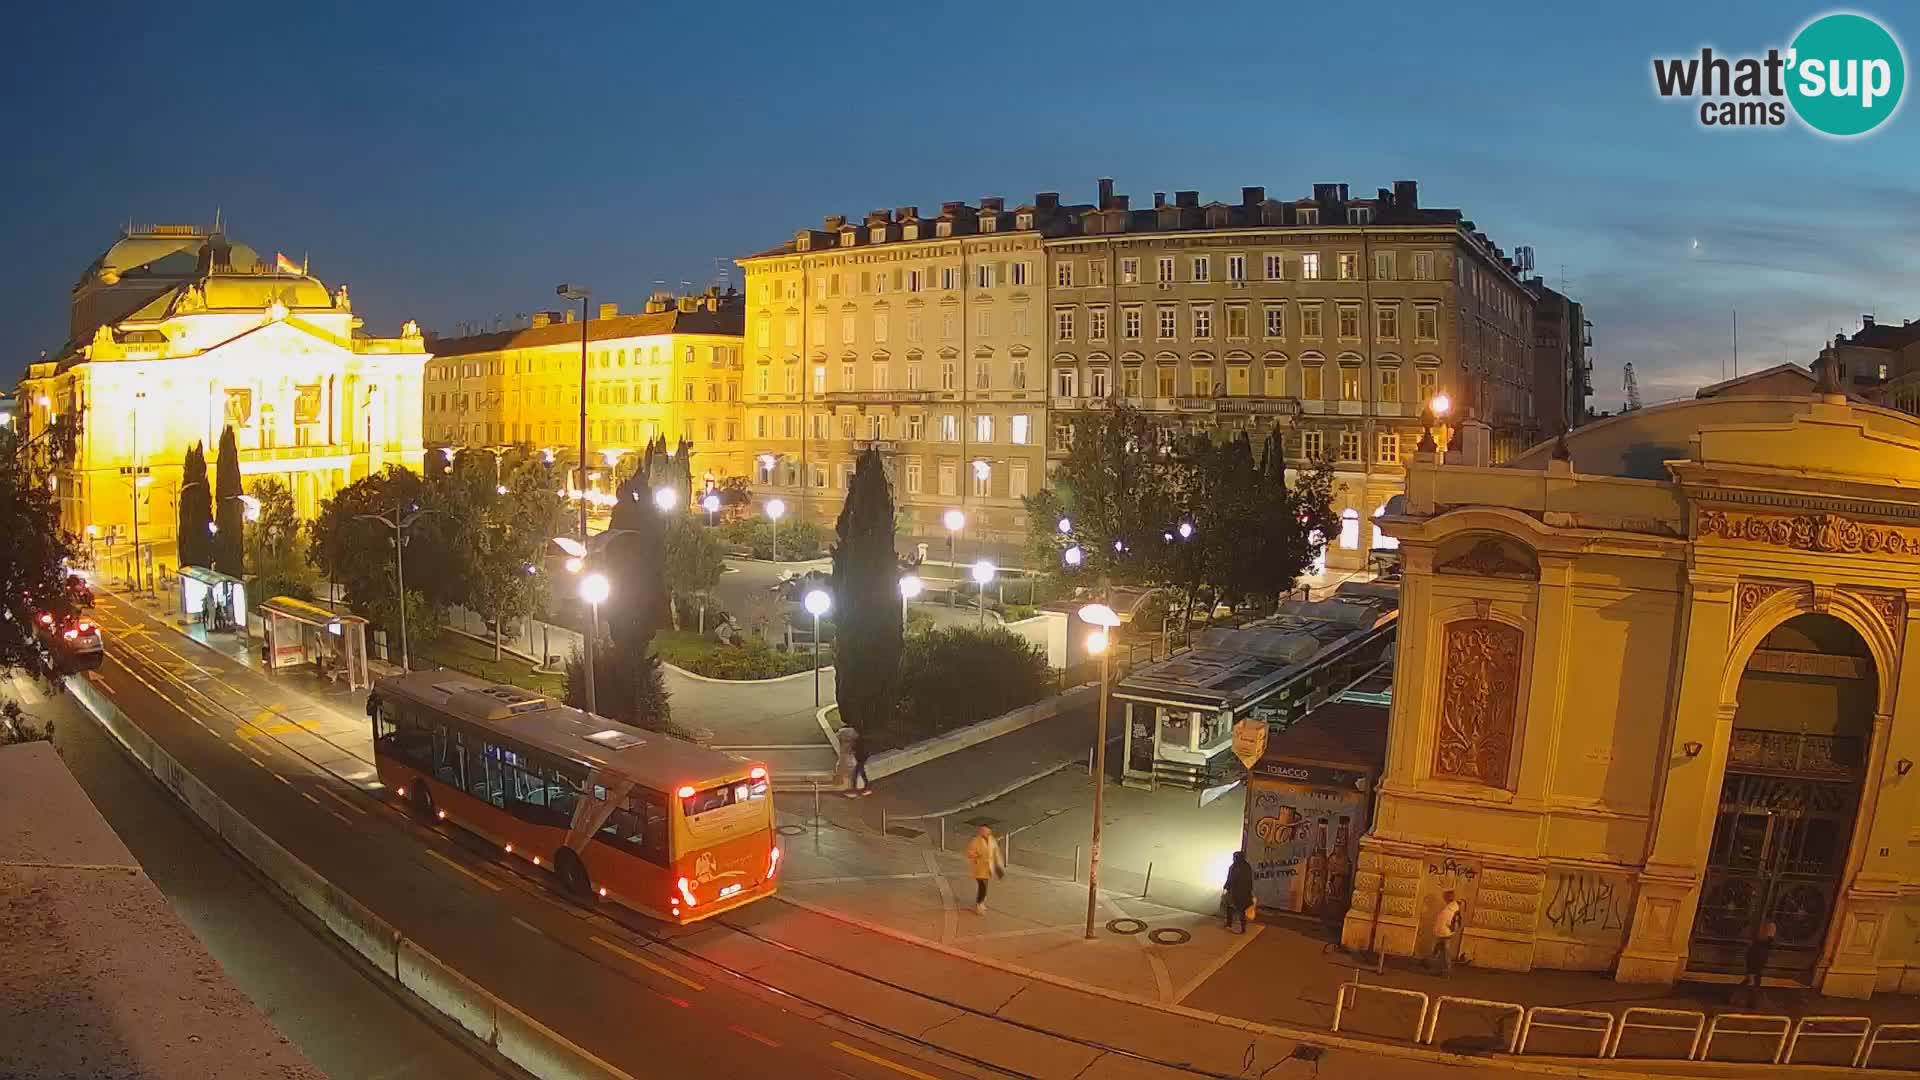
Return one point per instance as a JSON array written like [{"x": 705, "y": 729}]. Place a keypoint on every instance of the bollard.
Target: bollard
[
  {"x": 1076, "y": 864},
  {"x": 1149, "y": 885},
  {"x": 1089, "y": 761},
  {"x": 816, "y": 806},
  {"x": 883, "y": 821},
  {"x": 943, "y": 834}
]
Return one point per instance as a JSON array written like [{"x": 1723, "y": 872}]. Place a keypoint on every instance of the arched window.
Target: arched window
[
  {"x": 1381, "y": 541},
  {"x": 1349, "y": 528}
]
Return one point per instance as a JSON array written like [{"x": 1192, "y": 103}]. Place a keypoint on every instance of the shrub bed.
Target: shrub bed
[
  {"x": 953, "y": 677},
  {"x": 716, "y": 660}
]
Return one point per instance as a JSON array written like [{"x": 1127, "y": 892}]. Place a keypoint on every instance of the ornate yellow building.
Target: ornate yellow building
[
  {"x": 176, "y": 333},
  {"x": 672, "y": 370},
  {"x": 1651, "y": 693}
]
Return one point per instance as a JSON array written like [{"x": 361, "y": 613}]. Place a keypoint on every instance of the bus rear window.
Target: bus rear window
[{"x": 723, "y": 796}]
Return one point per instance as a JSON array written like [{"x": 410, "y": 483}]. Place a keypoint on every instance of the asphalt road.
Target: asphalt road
[
  {"x": 349, "y": 1022},
  {"x": 613, "y": 991}
]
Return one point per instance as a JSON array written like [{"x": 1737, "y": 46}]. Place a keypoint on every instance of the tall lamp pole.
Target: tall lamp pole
[
  {"x": 775, "y": 509},
  {"x": 817, "y": 602},
  {"x": 593, "y": 589},
  {"x": 1102, "y": 616},
  {"x": 983, "y": 572},
  {"x": 400, "y": 523},
  {"x": 954, "y": 520}
]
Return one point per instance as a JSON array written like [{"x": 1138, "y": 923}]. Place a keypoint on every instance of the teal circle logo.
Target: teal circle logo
[{"x": 1847, "y": 74}]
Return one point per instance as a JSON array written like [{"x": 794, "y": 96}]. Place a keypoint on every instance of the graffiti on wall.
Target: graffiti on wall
[{"x": 1581, "y": 904}]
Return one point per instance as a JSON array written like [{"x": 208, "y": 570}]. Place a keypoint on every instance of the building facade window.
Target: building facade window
[
  {"x": 913, "y": 476},
  {"x": 1359, "y": 215},
  {"x": 1349, "y": 386},
  {"x": 1130, "y": 381},
  {"x": 949, "y": 375},
  {"x": 1017, "y": 373},
  {"x": 1312, "y": 445},
  {"x": 1423, "y": 266},
  {"x": 1129, "y": 271},
  {"x": 1066, "y": 383},
  {"x": 1276, "y": 320},
  {"x": 1063, "y": 324},
  {"x": 1349, "y": 526},
  {"x": 1383, "y": 265},
  {"x": 1350, "y": 322},
  {"x": 1130, "y": 324},
  {"x": 1310, "y": 383},
  {"x": 1165, "y": 380},
  {"x": 1203, "y": 322},
  {"x": 1202, "y": 267},
  {"x": 1017, "y": 429},
  {"x": 1237, "y": 322},
  {"x": 1310, "y": 321},
  {"x": 1097, "y": 384},
  {"x": 1168, "y": 322},
  {"x": 1166, "y": 270},
  {"x": 1390, "y": 384},
  {"x": 1349, "y": 447},
  {"x": 1236, "y": 268},
  {"x": 1426, "y": 323},
  {"x": 1347, "y": 266},
  {"x": 1386, "y": 322},
  {"x": 1063, "y": 274},
  {"x": 1275, "y": 376},
  {"x": 1310, "y": 266},
  {"x": 1097, "y": 324},
  {"x": 1096, "y": 273},
  {"x": 1388, "y": 451},
  {"x": 1202, "y": 382},
  {"x": 1276, "y": 267},
  {"x": 1428, "y": 382},
  {"x": 1020, "y": 270},
  {"x": 983, "y": 428}
]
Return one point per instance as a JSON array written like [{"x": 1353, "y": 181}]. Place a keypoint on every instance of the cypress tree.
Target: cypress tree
[
  {"x": 193, "y": 537},
  {"x": 229, "y": 510},
  {"x": 866, "y": 601}
]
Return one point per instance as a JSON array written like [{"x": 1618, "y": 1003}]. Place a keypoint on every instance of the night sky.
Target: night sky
[{"x": 451, "y": 164}]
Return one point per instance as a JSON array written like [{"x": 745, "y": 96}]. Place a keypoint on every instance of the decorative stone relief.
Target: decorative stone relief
[
  {"x": 1490, "y": 558},
  {"x": 1749, "y": 597},
  {"x": 1479, "y": 690},
  {"x": 1825, "y": 533},
  {"x": 1891, "y": 607},
  {"x": 1510, "y": 880}
]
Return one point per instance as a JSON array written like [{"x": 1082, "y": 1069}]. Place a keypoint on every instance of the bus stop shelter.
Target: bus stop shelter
[
  {"x": 214, "y": 600},
  {"x": 295, "y": 633}
]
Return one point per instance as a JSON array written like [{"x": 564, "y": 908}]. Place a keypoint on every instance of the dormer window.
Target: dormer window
[
  {"x": 805, "y": 242},
  {"x": 849, "y": 238},
  {"x": 1024, "y": 221},
  {"x": 944, "y": 228},
  {"x": 910, "y": 232},
  {"x": 989, "y": 222},
  {"x": 1359, "y": 215},
  {"x": 1308, "y": 215},
  {"x": 877, "y": 234}
]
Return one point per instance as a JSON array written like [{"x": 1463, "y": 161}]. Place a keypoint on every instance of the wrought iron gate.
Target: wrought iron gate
[{"x": 1779, "y": 847}]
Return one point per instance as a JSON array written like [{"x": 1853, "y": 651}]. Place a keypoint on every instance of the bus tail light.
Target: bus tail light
[
  {"x": 603, "y": 891},
  {"x": 509, "y": 849},
  {"x": 773, "y": 862},
  {"x": 687, "y": 894},
  {"x": 401, "y": 791},
  {"x": 442, "y": 814},
  {"x": 536, "y": 860},
  {"x": 686, "y": 791},
  {"x": 758, "y": 772},
  {"x": 71, "y": 634}
]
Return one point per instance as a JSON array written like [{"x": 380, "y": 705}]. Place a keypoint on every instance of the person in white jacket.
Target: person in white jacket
[{"x": 1445, "y": 922}]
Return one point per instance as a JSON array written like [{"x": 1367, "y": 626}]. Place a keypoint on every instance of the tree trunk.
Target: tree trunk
[{"x": 496, "y": 635}]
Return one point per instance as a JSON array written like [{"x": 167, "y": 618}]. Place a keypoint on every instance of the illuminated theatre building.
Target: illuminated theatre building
[
  {"x": 1651, "y": 693},
  {"x": 177, "y": 332}
]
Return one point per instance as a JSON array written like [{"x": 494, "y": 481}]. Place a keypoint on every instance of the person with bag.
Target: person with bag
[
  {"x": 985, "y": 862},
  {"x": 859, "y": 785},
  {"x": 1446, "y": 923},
  {"x": 1239, "y": 891}
]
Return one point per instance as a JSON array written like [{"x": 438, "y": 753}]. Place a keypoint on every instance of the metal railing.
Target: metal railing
[{"x": 1762, "y": 1025}]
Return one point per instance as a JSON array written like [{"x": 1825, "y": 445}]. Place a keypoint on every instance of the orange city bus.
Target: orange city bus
[{"x": 668, "y": 828}]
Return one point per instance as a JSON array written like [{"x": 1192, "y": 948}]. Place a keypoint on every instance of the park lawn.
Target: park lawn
[
  {"x": 462, "y": 653},
  {"x": 703, "y": 656}
]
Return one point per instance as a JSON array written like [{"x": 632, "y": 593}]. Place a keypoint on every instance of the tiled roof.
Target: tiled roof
[{"x": 730, "y": 319}]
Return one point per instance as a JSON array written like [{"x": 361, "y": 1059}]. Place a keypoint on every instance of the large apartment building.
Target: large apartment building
[
  {"x": 964, "y": 345},
  {"x": 1562, "y": 374},
  {"x": 923, "y": 337},
  {"x": 674, "y": 370}
]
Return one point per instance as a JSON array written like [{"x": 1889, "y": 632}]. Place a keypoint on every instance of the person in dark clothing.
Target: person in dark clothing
[
  {"x": 1239, "y": 890},
  {"x": 860, "y": 785},
  {"x": 1757, "y": 952}
]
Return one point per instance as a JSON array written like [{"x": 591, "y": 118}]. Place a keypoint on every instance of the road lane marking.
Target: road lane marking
[
  {"x": 489, "y": 884},
  {"x": 880, "y": 1061},
  {"x": 309, "y": 797},
  {"x": 754, "y": 1035},
  {"x": 344, "y": 819},
  {"x": 646, "y": 963},
  {"x": 283, "y": 779},
  {"x": 682, "y": 1002},
  {"x": 329, "y": 793},
  {"x": 525, "y": 925}
]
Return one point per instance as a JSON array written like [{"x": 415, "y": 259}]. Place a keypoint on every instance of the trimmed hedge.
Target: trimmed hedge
[
  {"x": 716, "y": 660},
  {"x": 956, "y": 676}
]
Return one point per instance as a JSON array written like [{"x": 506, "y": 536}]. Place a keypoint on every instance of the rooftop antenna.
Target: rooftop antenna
[
  {"x": 723, "y": 267},
  {"x": 1736, "y": 343},
  {"x": 217, "y": 219}
]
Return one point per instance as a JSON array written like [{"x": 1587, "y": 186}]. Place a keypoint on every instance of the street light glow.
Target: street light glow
[
  {"x": 982, "y": 469},
  {"x": 1066, "y": 526},
  {"x": 571, "y": 546},
  {"x": 983, "y": 571},
  {"x": 910, "y": 586},
  {"x": 500, "y": 489},
  {"x": 574, "y": 563},
  {"x": 955, "y": 521},
  {"x": 1442, "y": 404},
  {"x": 711, "y": 503},
  {"x": 1097, "y": 642},
  {"x": 818, "y": 602},
  {"x": 594, "y": 589},
  {"x": 665, "y": 498},
  {"x": 1073, "y": 555},
  {"x": 1099, "y": 615},
  {"x": 775, "y": 509},
  {"x": 1186, "y": 530}
]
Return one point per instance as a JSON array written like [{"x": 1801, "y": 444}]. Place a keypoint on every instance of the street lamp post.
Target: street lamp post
[
  {"x": 1099, "y": 641},
  {"x": 910, "y": 587},
  {"x": 983, "y": 572},
  {"x": 817, "y": 602},
  {"x": 593, "y": 589},
  {"x": 712, "y": 506},
  {"x": 775, "y": 509},
  {"x": 581, "y": 293},
  {"x": 400, "y": 523},
  {"x": 954, "y": 521}
]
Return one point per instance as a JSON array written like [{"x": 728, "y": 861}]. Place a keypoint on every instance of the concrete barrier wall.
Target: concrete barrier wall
[
  {"x": 888, "y": 762},
  {"x": 518, "y": 1038}
]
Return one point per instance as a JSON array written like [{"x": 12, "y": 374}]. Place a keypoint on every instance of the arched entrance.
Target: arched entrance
[{"x": 1791, "y": 795}]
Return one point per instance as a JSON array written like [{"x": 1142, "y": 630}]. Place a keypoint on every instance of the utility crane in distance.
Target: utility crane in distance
[{"x": 1633, "y": 389}]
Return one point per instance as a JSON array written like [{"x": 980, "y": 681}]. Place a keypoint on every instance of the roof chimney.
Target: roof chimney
[
  {"x": 1866, "y": 321},
  {"x": 1188, "y": 199},
  {"x": 992, "y": 203},
  {"x": 569, "y": 317},
  {"x": 1047, "y": 200},
  {"x": 542, "y": 318},
  {"x": 1106, "y": 192},
  {"x": 609, "y": 310},
  {"x": 1159, "y": 199},
  {"x": 1252, "y": 196},
  {"x": 1406, "y": 194}
]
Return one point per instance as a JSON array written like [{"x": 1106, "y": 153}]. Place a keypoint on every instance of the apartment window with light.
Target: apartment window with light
[
  {"x": 1307, "y": 215},
  {"x": 989, "y": 223},
  {"x": 1165, "y": 268},
  {"x": 1165, "y": 379},
  {"x": 916, "y": 424},
  {"x": 879, "y": 281},
  {"x": 913, "y": 477},
  {"x": 1202, "y": 382},
  {"x": 1167, "y": 322},
  {"x": 1020, "y": 273},
  {"x": 1349, "y": 445},
  {"x": 1423, "y": 266},
  {"x": 1426, "y": 322},
  {"x": 1310, "y": 321},
  {"x": 1387, "y": 448},
  {"x": 1097, "y": 385},
  {"x": 1276, "y": 269},
  {"x": 1386, "y": 322},
  {"x": 983, "y": 428},
  {"x": 1129, "y": 271},
  {"x": 1350, "y": 321},
  {"x": 1130, "y": 323},
  {"x": 1309, "y": 266},
  {"x": 1311, "y": 387},
  {"x": 820, "y": 378},
  {"x": 1096, "y": 272},
  {"x": 949, "y": 427},
  {"x": 1063, "y": 324},
  {"x": 1236, "y": 268},
  {"x": 949, "y": 480},
  {"x": 1348, "y": 266},
  {"x": 1203, "y": 322},
  {"x": 1349, "y": 384},
  {"x": 914, "y": 280},
  {"x": 1017, "y": 373},
  {"x": 1237, "y": 321},
  {"x": 982, "y": 474},
  {"x": 1097, "y": 324},
  {"x": 983, "y": 374},
  {"x": 1017, "y": 429},
  {"x": 1066, "y": 383},
  {"x": 1383, "y": 265},
  {"x": 949, "y": 376},
  {"x": 1130, "y": 381},
  {"x": 1274, "y": 376},
  {"x": 876, "y": 426},
  {"x": 983, "y": 276},
  {"x": 1389, "y": 384},
  {"x": 1428, "y": 382},
  {"x": 1063, "y": 274},
  {"x": 1202, "y": 268}
]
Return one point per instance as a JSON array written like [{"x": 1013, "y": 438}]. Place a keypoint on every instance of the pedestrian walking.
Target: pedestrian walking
[
  {"x": 985, "y": 863},
  {"x": 1757, "y": 952},
  {"x": 859, "y": 785},
  {"x": 1239, "y": 890},
  {"x": 1446, "y": 923}
]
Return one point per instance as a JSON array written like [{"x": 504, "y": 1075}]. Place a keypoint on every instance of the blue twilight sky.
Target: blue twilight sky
[{"x": 452, "y": 162}]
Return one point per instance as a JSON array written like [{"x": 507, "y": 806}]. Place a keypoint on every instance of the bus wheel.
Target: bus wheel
[
  {"x": 573, "y": 873},
  {"x": 421, "y": 800}
]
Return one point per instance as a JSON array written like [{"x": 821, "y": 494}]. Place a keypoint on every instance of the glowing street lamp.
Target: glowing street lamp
[
  {"x": 817, "y": 602},
  {"x": 983, "y": 572},
  {"x": 1066, "y": 527},
  {"x": 711, "y": 504},
  {"x": 776, "y": 509},
  {"x": 1103, "y": 617},
  {"x": 1073, "y": 556},
  {"x": 665, "y": 498},
  {"x": 910, "y": 587},
  {"x": 594, "y": 589}
]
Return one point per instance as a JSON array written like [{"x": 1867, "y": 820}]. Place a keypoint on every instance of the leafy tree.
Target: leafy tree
[
  {"x": 194, "y": 537},
  {"x": 34, "y": 549},
  {"x": 1118, "y": 488},
  {"x": 695, "y": 562},
  {"x": 230, "y": 513},
  {"x": 628, "y": 683},
  {"x": 357, "y": 551},
  {"x": 736, "y": 497},
  {"x": 503, "y": 537},
  {"x": 433, "y": 464},
  {"x": 276, "y": 546},
  {"x": 866, "y": 591}
]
